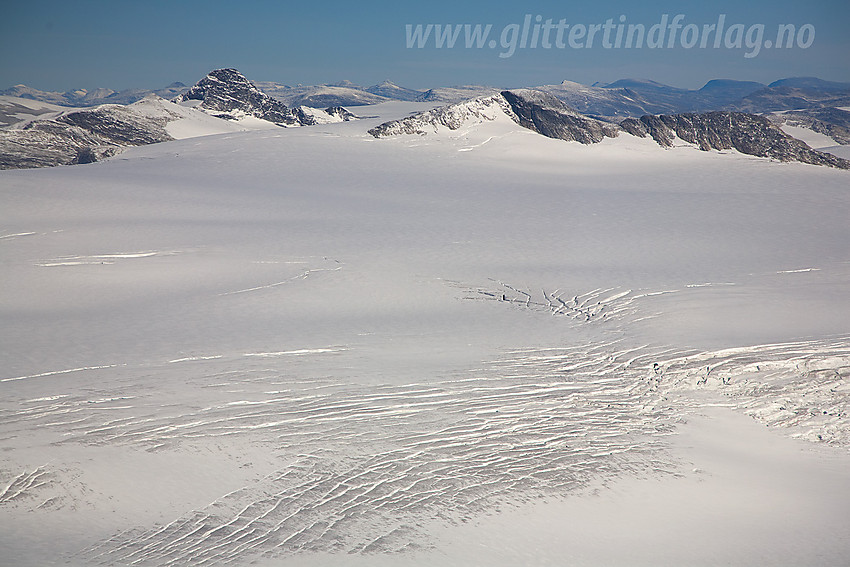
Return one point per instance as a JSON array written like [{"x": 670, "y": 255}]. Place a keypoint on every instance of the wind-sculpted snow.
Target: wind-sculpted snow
[
  {"x": 800, "y": 387},
  {"x": 359, "y": 466},
  {"x": 220, "y": 351}
]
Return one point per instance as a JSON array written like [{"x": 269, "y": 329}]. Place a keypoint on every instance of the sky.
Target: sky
[{"x": 60, "y": 45}]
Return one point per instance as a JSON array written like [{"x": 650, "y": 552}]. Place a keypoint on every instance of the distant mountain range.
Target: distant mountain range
[
  {"x": 47, "y": 135},
  {"x": 94, "y": 97},
  {"x": 621, "y": 99},
  {"x": 39, "y": 130},
  {"x": 545, "y": 114}
]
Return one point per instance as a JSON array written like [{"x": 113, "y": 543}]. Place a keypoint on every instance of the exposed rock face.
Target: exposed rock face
[
  {"x": 547, "y": 115},
  {"x": 228, "y": 91},
  {"x": 452, "y": 117},
  {"x": 118, "y": 124},
  {"x": 747, "y": 133},
  {"x": 341, "y": 113},
  {"x": 535, "y": 110},
  {"x": 81, "y": 136},
  {"x": 87, "y": 135},
  {"x": 543, "y": 113},
  {"x": 312, "y": 116}
]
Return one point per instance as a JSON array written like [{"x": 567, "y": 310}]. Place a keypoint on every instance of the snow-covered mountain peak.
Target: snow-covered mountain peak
[
  {"x": 229, "y": 91},
  {"x": 536, "y": 110},
  {"x": 450, "y": 117}
]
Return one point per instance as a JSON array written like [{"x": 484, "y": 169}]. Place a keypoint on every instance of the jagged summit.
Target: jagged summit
[
  {"x": 90, "y": 134},
  {"x": 229, "y": 91}
]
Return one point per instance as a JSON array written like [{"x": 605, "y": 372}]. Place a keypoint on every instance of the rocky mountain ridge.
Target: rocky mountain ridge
[
  {"x": 228, "y": 94},
  {"x": 80, "y": 136},
  {"x": 547, "y": 115},
  {"x": 623, "y": 98},
  {"x": 90, "y": 134},
  {"x": 721, "y": 130}
]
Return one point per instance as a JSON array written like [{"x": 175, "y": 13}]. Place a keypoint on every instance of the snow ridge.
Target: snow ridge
[{"x": 532, "y": 109}]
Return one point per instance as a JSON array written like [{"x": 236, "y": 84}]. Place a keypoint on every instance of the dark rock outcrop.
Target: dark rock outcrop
[
  {"x": 535, "y": 110},
  {"x": 452, "y": 116},
  {"x": 545, "y": 114},
  {"x": 748, "y": 133},
  {"x": 227, "y": 91},
  {"x": 307, "y": 116},
  {"x": 119, "y": 125},
  {"x": 81, "y": 136},
  {"x": 87, "y": 135}
]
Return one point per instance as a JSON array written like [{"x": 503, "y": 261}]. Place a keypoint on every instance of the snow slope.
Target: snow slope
[
  {"x": 310, "y": 346},
  {"x": 14, "y": 109},
  {"x": 187, "y": 122},
  {"x": 814, "y": 139}
]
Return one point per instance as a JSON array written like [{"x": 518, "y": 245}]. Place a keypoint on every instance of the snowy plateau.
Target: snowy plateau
[{"x": 427, "y": 337}]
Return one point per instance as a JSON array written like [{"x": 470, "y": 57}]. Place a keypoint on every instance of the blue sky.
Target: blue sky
[{"x": 60, "y": 45}]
